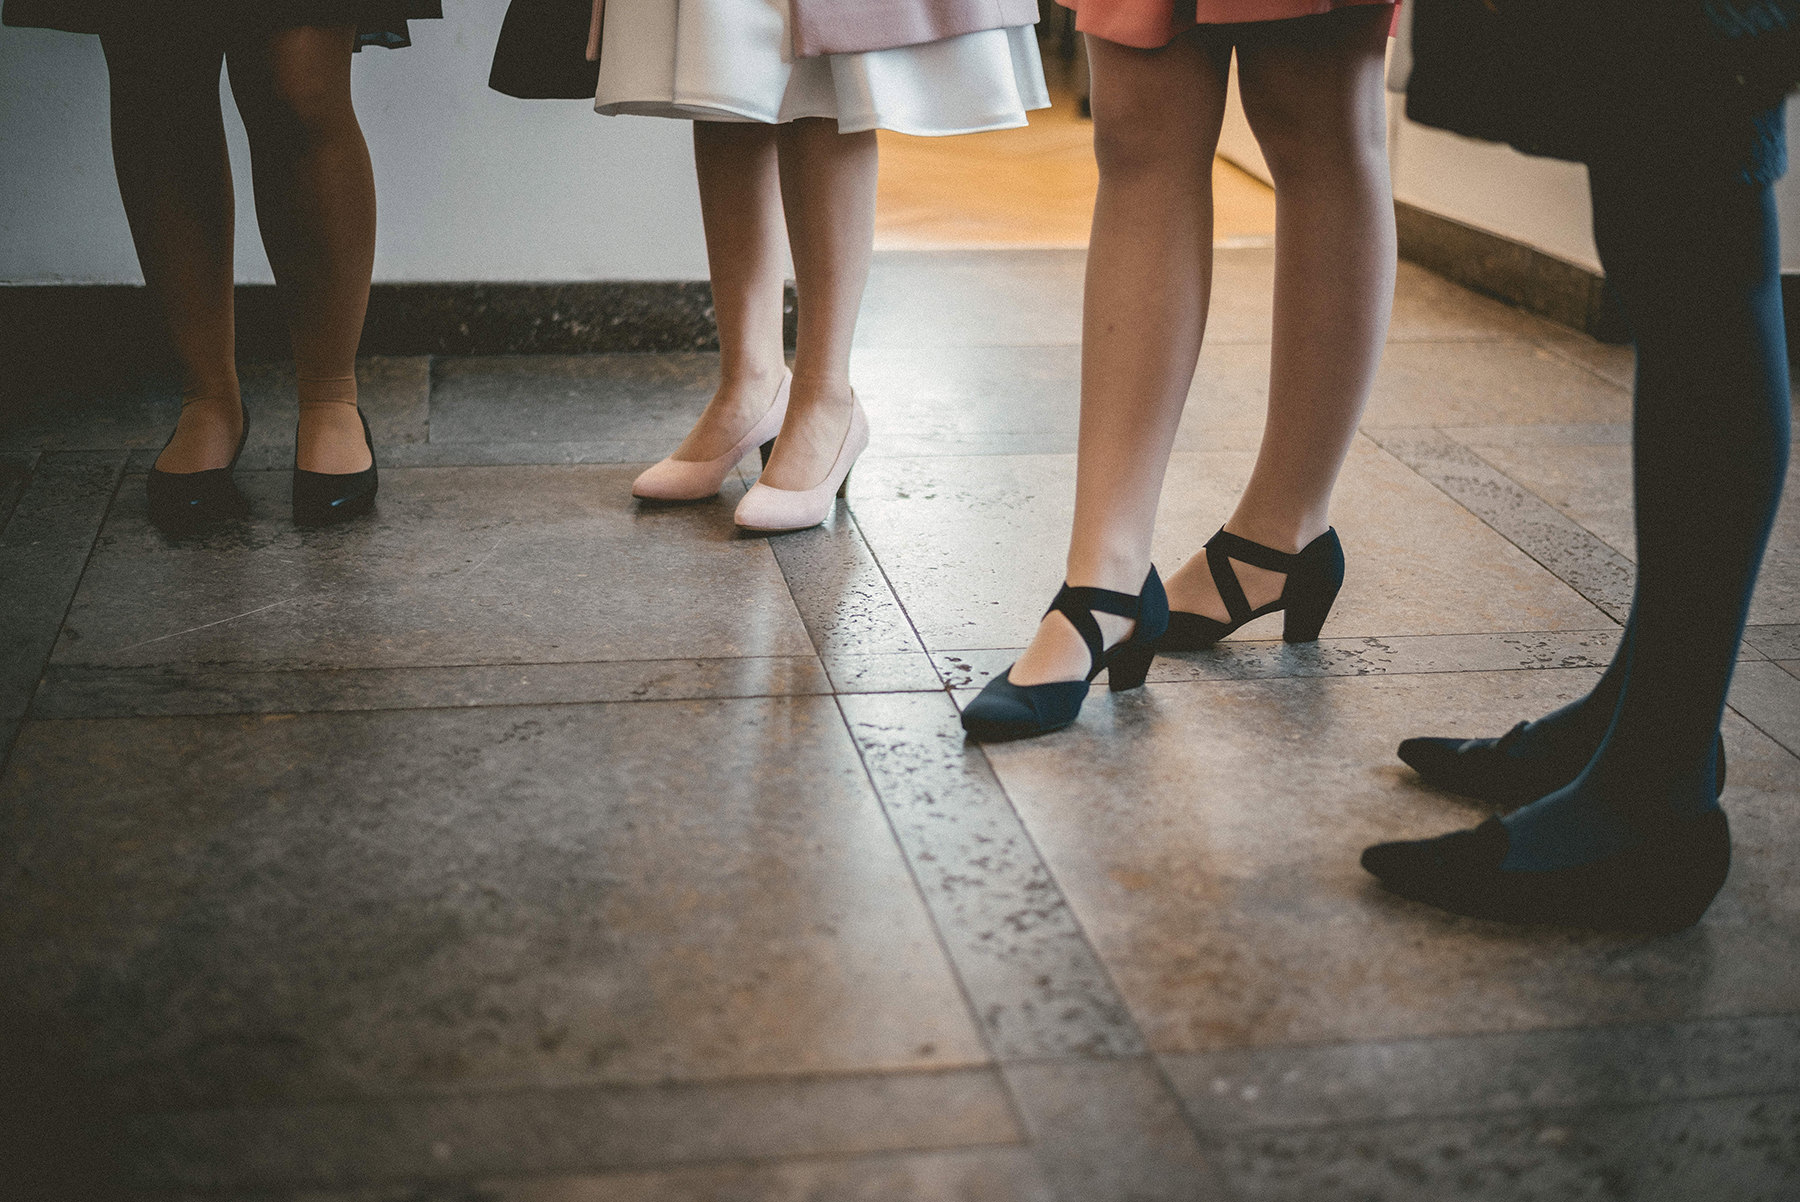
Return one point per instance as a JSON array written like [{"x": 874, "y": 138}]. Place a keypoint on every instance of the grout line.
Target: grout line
[{"x": 87, "y": 559}]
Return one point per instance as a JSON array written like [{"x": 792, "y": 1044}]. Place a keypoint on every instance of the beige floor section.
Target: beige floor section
[{"x": 1025, "y": 187}]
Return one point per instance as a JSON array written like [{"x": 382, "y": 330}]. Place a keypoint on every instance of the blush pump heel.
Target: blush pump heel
[
  {"x": 1315, "y": 573},
  {"x": 1004, "y": 710}
]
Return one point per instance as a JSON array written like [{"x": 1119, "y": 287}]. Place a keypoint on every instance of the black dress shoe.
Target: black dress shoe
[
  {"x": 1661, "y": 883},
  {"x": 183, "y": 502},
  {"x": 327, "y": 498},
  {"x": 1494, "y": 770},
  {"x": 1315, "y": 573},
  {"x": 1004, "y": 710}
]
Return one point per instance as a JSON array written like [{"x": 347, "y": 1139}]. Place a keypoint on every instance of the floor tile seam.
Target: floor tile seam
[
  {"x": 1649, "y": 1026},
  {"x": 974, "y": 1069},
  {"x": 1523, "y": 493},
  {"x": 887, "y": 582},
  {"x": 460, "y": 707},
  {"x": 1758, "y": 727},
  {"x": 224, "y": 666},
  {"x": 1216, "y": 1138},
  {"x": 17, "y": 722},
  {"x": 261, "y": 1187},
  {"x": 970, "y": 1007},
  {"x": 1556, "y": 350},
  {"x": 1267, "y": 677}
]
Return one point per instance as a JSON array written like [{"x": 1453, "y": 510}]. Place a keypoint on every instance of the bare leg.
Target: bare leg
[
  {"x": 1156, "y": 122},
  {"x": 740, "y": 203},
  {"x": 175, "y": 179},
  {"x": 315, "y": 202},
  {"x": 828, "y": 192},
  {"x": 1312, "y": 90}
]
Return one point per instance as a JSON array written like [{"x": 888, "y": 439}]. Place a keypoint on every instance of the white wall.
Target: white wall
[{"x": 472, "y": 185}]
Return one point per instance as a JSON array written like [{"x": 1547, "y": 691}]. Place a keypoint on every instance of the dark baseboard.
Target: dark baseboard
[
  {"x": 1534, "y": 281},
  {"x": 1510, "y": 271},
  {"x": 106, "y": 326}
]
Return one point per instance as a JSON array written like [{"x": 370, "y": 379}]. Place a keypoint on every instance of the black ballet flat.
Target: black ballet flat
[
  {"x": 1492, "y": 770},
  {"x": 1662, "y": 883},
  {"x": 183, "y": 502},
  {"x": 1004, "y": 710},
  {"x": 327, "y": 498},
  {"x": 1315, "y": 573}
]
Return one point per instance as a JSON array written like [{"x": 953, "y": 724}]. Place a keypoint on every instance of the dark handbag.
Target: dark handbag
[
  {"x": 542, "y": 51},
  {"x": 1566, "y": 80},
  {"x": 1756, "y": 43}
]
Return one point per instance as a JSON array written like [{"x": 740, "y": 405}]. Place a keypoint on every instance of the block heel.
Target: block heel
[
  {"x": 1127, "y": 667},
  {"x": 1315, "y": 574}
]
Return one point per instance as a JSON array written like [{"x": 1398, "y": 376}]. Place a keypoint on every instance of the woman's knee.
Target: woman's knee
[{"x": 298, "y": 84}]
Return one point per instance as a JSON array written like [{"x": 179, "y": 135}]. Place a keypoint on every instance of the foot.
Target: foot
[
  {"x": 330, "y": 439},
  {"x": 740, "y": 402},
  {"x": 1569, "y": 859},
  {"x": 818, "y": 419},
  {"x": 206, "y": 436},
  {"x": 1192, "y": 589},
  {"x": 1057, "y": 652}
]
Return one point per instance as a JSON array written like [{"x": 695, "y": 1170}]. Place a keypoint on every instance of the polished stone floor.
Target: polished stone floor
[{"x": 524, "y": 844}]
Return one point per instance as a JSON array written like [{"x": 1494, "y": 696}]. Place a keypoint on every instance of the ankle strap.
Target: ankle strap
[
  {"x": 1224, "y": 547},
  {"x": 1080, "y": 604}
]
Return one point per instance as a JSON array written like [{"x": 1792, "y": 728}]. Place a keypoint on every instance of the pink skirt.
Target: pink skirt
[{"x": 1148, "y": 24}]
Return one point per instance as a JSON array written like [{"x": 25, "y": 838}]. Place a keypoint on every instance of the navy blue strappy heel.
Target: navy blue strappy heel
[
  {"x": 1004, "y": 710},
  {"x": 1315, "y": 573}
]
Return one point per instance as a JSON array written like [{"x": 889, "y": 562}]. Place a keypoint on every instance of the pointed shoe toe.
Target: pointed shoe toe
[
  {"x": 769, "y": 510},
  {"x": 674, "y": 479},
  {"x": 1003, "y": 711},
  {"x": 1661, "y": 883}
]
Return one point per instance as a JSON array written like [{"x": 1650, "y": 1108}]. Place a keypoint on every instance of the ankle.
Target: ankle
[
  {"x": 1287, "y": 533},
  {"x": 1119, "y": 571}
]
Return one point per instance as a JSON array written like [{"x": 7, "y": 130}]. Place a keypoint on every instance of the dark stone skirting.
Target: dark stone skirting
[
  {"x": 103, "y": 324},
  {"x": 1510, "y": 271}
]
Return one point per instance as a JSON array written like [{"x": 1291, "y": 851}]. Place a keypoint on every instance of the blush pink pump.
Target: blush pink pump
[
  {"x": 769, "y": 510},
  {"x": 696, "y": 479}
]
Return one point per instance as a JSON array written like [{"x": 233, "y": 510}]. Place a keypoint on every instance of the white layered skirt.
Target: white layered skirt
[{"x": 733, "y": 60}]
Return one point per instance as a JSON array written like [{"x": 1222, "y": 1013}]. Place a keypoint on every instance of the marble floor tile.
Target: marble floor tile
[
  {"x": 458, "y": 566},
  {"x": 473, "y": 1136},
  {"x": 840, "y": 590},
  {"x": 1111, "y": 1131},
  {"x": 645, "y": 400},
  {"x": 1574, "y": 554},
  {"x": 1244, "y": 659},
  {"x": 15, "y": 473},
  {"x": 974, "y": 547},
  {"x": 1592, "y": 485},
  {"x": 1033, "y": 981},
  {"x": 1207, "y": 837},
  {"x": 1744, "y": 1149},
  {"x": 288, "y": 910},
  {"x": 139, "y": 414},
  {"x": 177, "y": 689},
  {"x": 43, "y": 549},
  {"x": 991, "y": 1174},
  {"x": 973, "y": 298},
  {"x": 1775, "y": 642},
  {"x": 1769, "y": 696},
  {"x": 1488, "y": 383},
  {"x": 1323, "y": 1085}
]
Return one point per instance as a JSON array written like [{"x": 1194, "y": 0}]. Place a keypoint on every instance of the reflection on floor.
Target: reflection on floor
[
  {"x": 1026, "y": 187},
  {"x": 526, "y": 844}
]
